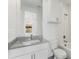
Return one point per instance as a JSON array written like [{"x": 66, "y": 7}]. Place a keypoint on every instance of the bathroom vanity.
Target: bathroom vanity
[{"x": 19, "y": 50}]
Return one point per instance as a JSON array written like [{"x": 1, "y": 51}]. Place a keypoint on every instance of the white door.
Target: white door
[{"x": 41, "y": 54}]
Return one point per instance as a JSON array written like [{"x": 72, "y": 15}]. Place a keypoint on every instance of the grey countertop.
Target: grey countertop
[{"x": 17, "y": 43}]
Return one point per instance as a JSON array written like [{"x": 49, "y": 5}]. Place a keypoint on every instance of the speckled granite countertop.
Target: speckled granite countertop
[{"x": 18, "y": 42}]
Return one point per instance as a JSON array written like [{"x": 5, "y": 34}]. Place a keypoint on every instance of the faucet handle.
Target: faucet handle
[{"x": 65, "y": 41}]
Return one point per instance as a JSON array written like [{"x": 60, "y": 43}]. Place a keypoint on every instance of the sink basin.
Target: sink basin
[{"x": 30, "y": 42}]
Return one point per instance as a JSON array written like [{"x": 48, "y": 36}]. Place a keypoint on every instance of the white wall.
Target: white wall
[
  {"x": 54, "y": 32},
  {"x": 11, "y": 20},
  {"x": 15, "y": 21},
  {"x": 20, "y": 21},
  {"x": 54, "y": 10}
]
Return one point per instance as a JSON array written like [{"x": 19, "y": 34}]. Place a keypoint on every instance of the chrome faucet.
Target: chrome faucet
[{"x": 31, "y": 36}]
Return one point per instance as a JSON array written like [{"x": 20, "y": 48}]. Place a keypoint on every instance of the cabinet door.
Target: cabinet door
[
  {"x": 41, "y": 54},
  {"x": 28, "y": 56}
]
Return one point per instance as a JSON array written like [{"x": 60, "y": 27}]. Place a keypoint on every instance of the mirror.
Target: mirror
[{"x": 32, "y": 16}]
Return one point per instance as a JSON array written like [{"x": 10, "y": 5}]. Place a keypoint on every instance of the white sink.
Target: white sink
[{"x": 30, "y": 42}]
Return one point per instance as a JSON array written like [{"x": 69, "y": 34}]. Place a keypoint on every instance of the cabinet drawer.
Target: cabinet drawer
[
  {"x": 17, "y": 52},
  {"x": 26, "y": 56}
]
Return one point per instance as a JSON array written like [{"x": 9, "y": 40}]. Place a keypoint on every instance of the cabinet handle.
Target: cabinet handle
[
  {"x": 34, "y": 56},
  {"x": 31, "y": 56}
]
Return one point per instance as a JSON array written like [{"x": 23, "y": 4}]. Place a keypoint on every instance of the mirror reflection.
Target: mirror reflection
[{"x": 32, "y": 16}]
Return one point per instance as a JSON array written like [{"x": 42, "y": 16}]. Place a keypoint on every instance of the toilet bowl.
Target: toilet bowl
[{"x": 59, "y": 54}]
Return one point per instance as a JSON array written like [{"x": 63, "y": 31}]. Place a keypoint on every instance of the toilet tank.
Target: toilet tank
[{"x": 53, "y": 43}]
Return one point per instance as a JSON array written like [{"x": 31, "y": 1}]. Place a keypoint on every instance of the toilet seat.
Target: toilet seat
[{"x": 60, "y": 54}]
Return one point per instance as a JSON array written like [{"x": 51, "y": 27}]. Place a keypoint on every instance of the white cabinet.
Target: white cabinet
[
  {"x": 14, "y": 19},
  {"x": 40, "y": 51},
  {"x": 11, "y": 20},
  {"x": 19, "y": 22},
  {"x": 43, "y": 54}
]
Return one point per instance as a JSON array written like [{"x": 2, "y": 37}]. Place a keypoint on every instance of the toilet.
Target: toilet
[{"x": 59, "y": 54}]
